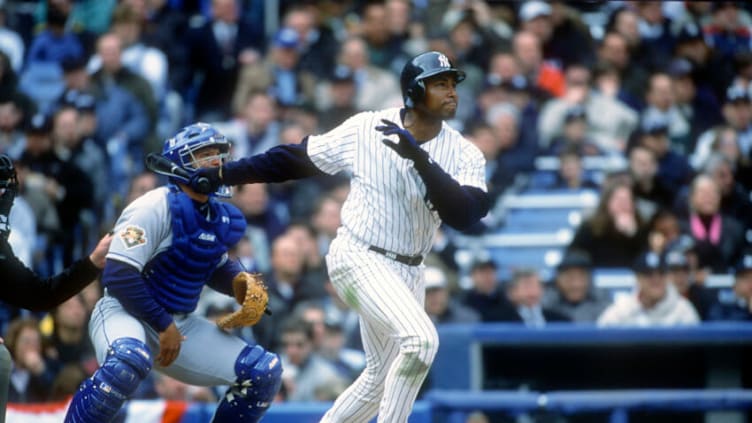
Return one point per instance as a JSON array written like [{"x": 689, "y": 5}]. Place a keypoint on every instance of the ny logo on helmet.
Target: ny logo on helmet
[{"x": 444, "y": 61}]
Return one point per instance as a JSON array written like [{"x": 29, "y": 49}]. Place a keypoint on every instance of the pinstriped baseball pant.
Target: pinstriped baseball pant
[{"x": 399, "y": 339}]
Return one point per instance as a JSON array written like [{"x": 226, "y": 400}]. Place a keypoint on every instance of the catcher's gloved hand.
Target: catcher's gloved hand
[
  {"x": 407, "y": 146},
  {"x": 250, "y": 292},
  {"x": 206, "y": 180}
]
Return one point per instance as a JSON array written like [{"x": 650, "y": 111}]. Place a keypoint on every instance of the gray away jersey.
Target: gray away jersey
[{"x": 387, "y": 204}]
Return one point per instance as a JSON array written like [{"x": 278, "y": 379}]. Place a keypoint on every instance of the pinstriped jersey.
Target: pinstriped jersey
[{"x": 387, "y": 205}]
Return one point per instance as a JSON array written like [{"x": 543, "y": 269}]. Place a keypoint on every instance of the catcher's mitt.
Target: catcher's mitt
[{"x": 250, "y": 292}]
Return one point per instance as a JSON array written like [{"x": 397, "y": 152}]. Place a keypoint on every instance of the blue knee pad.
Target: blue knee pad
[
  {"x": 259, "y": 378},
  {"x": 100, "y": 397}
]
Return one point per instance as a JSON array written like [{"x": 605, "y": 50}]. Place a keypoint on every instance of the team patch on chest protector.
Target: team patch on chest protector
[{"x": 133, "y": 236}]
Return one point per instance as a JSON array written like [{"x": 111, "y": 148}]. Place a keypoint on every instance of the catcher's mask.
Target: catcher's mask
[
  {"x": 421, "y": 67},
  {"x": 182, "y": 148}
]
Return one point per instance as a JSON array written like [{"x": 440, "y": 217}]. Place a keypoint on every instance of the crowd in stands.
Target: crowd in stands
[{"x": 88, "y": 87}]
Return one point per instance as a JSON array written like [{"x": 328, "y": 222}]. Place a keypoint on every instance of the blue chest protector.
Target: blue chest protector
[{"x": 176, "y": 276}]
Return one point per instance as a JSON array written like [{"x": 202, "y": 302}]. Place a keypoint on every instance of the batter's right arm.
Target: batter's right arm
[{"x": 278, "y": 164}]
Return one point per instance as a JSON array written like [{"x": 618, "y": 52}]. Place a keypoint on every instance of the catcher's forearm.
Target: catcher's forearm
[
  {"x": 221, "y": 279},
  {"x": 125, "y": 283}
]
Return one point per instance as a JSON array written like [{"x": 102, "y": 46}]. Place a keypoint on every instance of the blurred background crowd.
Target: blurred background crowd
[{"x": 663, "y": 90}]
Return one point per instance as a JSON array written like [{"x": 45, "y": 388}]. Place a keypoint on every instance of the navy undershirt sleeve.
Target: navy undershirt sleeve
[
  {"x": 221, "y": 280},
  {"x": 278, "y": 164},
  {"x": 125, "y": 283},
  {"x": 459, "y": 206}
]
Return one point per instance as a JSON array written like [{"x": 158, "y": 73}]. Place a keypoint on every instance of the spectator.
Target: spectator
[
  {"x": 439, "y": 306},
  {"x": 304, "y": 370},
  {"x": 65, "y": 185},
  {"x": 525, "y": 294},
  {"x": 114, "y": 72},
  {"x": 673, "y": 167},
  {"x": 739, "y": 305},
  {"x": 728, "y": 33},
  {"x": 337, "y": 101},
  {"x": 216, "y": 48},
  {"x": 11, "y": 43},
  {"x": 32, "y": 374},
  {"x": 661, "y": 104},
  {"x": 571, "y": 175},
  {"x": 650, "y": 191},
  {"x": 657, "y": 40},
  {"x": 255, "y": 128},
  {"x": 737, "y": 113},
  {"x": 569, "y": 30},
  {"x": 305, "y": 237},
  {"x": 528, "y": 51},
  {"x": 719, "y": 238},
  {"x": 318, "y": 42},
  {"x": 665, "y": 230},
  {"x": 609, "y": 121},
  {"x": 55, "y": 42},
  {"x": 615, "y": 51},
  {"x": 375, "y": 88},
  {"x": 277, "y": 75},
  {"x": 12, "y": 140},
  {"x": 498, "y": 176},
  {"x": 697, "y": 104},
  {"x": 349, "y": 362},
  {"x": 615, "y": 234},
  {"x": 574, "y": 135},
  {"x": 681, "y": 274},
  {"x": 654, "y": 301},
  {"x": 384, "y": 49},
  {"x": 485, "y": 295},
  {"x": 573, "y": 293},
  {"x": 516, "y": 151},
  {"x": 735, "y": 199},
  {"x": 265, "y": 217},
  {"x": 69, "y": 341}
]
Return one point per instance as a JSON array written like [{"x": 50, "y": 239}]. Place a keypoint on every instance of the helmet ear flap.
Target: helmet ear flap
[{"x": 415, "y": 93}]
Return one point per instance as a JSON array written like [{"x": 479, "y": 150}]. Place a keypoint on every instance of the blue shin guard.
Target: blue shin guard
[
  {"x": 100, "y": 397},
  {"x": 259, "y": 378}
]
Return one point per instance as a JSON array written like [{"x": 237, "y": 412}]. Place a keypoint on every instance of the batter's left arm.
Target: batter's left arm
[{"x": 459, "y": 206}]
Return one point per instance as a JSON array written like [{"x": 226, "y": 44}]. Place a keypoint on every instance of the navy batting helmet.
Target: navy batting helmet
[{"x": 421, "y": 67}]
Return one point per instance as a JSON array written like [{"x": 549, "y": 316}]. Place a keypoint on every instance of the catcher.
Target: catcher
[{"x": 167, "y": 245}]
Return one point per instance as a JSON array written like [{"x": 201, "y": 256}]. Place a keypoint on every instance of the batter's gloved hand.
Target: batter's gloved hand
[
  {"x": 206, "y": 180},
  {"x": 250, "y": 293},
  {"x": 407, "y": 147}
]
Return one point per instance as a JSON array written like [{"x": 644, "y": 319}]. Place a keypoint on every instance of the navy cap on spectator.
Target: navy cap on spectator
[
  {"x": 679, "y": 68},
  {"x": 39, "y": 124},
  {"x": 286, "y": 38},
  {"x": 737, "y": 94},
  {"x": 342, "y": 73},
  {"x": 575, "y": 113},
  {"x": 676, "y": 259},
  {"x": 575, "y": 259},
  {"x": 483, "y": 263},
  {"x": 689, "y": 33},
  {"x": 72, "y": 64},
  {"x": 517, "y": 83},
  {"x": 654, "y": 124},
  {"x": 534, "y": 9},
  {"x": 744, "y": 264},
  {"x": 648, "y": 262}
]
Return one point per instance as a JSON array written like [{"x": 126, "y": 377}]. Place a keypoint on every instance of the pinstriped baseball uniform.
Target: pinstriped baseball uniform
[{"x": 387, "y": 209}]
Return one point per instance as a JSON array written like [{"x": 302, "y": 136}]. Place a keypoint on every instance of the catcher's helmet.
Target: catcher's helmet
[
  {"x": 421, "y": 67},
  {"x": 181, "y": 148}
]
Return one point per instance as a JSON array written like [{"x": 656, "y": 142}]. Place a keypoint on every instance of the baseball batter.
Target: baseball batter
[
  {"x": 409, "y": 172},
  {"x": 168, "y": 244}
]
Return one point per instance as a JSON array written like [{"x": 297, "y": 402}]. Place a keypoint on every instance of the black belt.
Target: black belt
[{"x": 408, "y": 260}]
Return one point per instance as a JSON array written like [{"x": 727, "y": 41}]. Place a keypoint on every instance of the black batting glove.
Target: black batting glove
[
  {"x": 407, "y": 147},
  {"x": 206, "y": 180}
]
